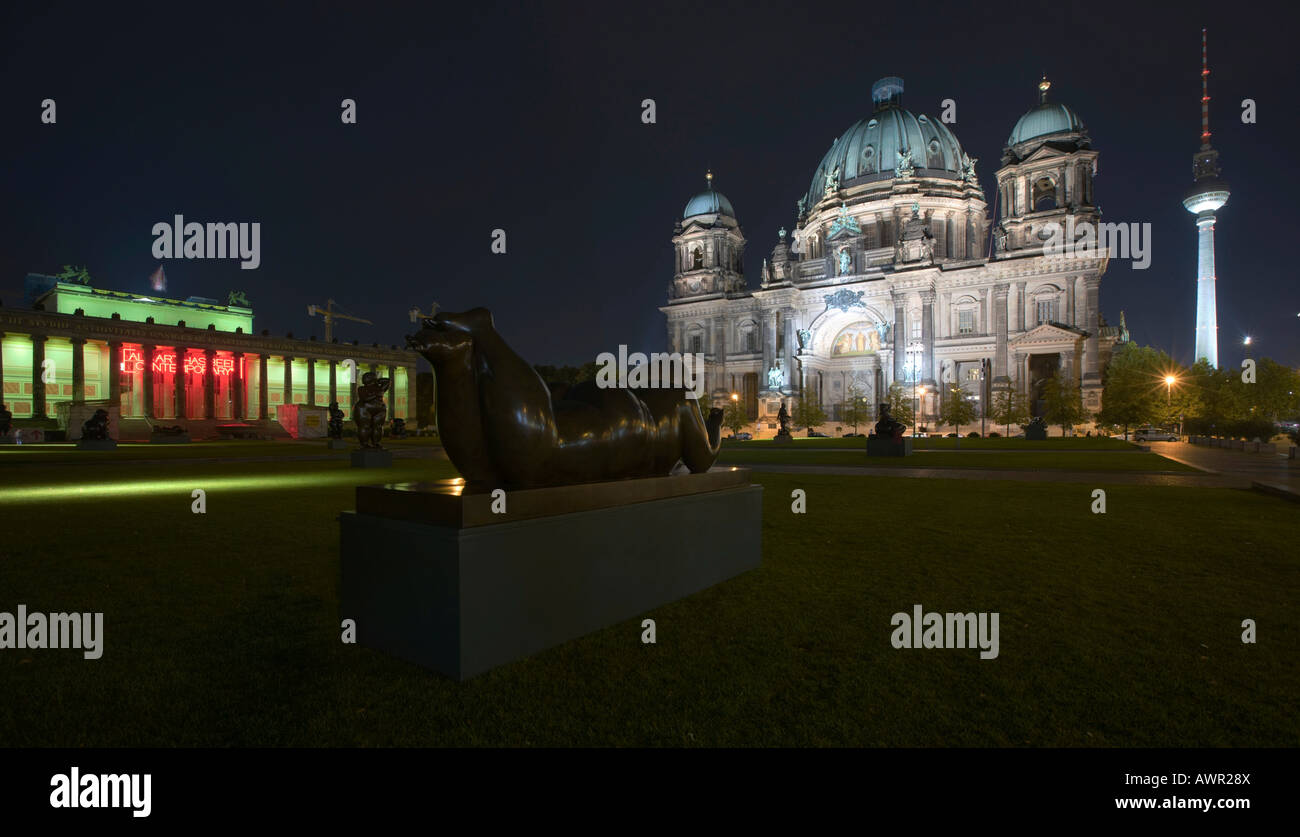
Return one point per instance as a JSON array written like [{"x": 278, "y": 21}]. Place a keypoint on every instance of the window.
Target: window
[
  {"x": 973, "y": 374},
  {"x": 965, "y": 322},
  {"x": 1046, "y": 309},
  {"x": 1044, "y": 194},
  {"x": 697, "y": 259},
  {"x": 916, "y": 326},
  {"x": 751, "y": 341},
  {"x": 697, "y": 343}
]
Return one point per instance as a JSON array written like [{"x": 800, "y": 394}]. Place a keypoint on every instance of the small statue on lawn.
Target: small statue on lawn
[
  {"x": 784, "y": 418},
  {"x": 370, "y": 410},
  {"x": 96, "y": 427},
  {"x": 399, "y": 428},
  {"x": 335, "y": 427},
  {"x": 889, "y": 427},
  {"x": 6, "y": 419}
]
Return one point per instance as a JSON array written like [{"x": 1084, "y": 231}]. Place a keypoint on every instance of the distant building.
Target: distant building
[
  {"x": 892, "y": 274},
  {"x": 172, "y": 360}
]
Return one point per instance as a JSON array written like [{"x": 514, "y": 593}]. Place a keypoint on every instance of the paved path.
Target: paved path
[{"x": 1237, "y": 469}]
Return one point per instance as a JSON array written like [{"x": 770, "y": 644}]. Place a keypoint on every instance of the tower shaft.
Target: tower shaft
[{"x": 1207, "y": 316}]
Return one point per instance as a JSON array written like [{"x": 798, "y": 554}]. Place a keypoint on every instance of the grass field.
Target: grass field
[
  {"x": 935, "y": 443},
  {"x": 223, "y": 628},
  {"x": 1025, "y": 460}
]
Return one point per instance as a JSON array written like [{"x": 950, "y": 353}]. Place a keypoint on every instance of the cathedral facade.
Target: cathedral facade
[{"x": 892, "y": 273}]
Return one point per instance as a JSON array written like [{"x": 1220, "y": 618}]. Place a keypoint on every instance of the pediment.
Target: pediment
[{"x": 1049, "y": 333}]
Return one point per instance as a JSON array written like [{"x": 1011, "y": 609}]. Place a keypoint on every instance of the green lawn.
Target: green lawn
[
  {"x": 1062, "y": 460},
  {"x": 223, "y": 629},
  {"x": 67, "y": 452},
  {"x": 930, "y": 443}
]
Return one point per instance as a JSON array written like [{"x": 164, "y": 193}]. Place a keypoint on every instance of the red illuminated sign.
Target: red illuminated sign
[
  {"x": 223, "y": 365},
  {"x": 132, "y": 357},
  {"x": 164, "y": 363},
  {"x": 196, "y": 364}
]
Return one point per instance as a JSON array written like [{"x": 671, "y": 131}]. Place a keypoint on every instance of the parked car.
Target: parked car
[
  {"x": 853, "y": 435},
  {"x": 1155, "y": 434},
  {"x": 741, "y": 437},
  {"x": 814, "y": 434}
]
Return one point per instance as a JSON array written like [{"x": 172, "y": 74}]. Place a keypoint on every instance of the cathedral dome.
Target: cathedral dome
[
  {"x": 1045, "y": 120},
  {"x": 709, "y": 202},
  {"x": 868, "y": 151}
]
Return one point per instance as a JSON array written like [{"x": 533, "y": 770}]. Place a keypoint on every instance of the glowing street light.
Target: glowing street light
[{"x": 1246, "y": 340}]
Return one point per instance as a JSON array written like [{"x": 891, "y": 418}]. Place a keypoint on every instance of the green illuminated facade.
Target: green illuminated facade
[{"x": 175, "y": 361}]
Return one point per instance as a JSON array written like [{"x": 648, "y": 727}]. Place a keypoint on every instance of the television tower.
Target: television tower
[{"x": 1207, "y": 194}]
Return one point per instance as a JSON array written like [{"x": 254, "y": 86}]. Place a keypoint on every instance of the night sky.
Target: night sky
[{"x": 527, "y": 118}]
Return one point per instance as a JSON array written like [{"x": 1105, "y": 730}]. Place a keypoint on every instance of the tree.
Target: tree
[
  {"x": 854, "y": 410},
  {"x": 1010, "y": 407},
  {"x": 957, "y": 409},
  {"x": 75, "y": 275},
  {"x": 1064, "y": 404},
  {"x": 900, "y": 404},
  {"x": 808, "y": 413},
  {"x": 734, "y": 417},
  {"x": 1130, "y": 387}
]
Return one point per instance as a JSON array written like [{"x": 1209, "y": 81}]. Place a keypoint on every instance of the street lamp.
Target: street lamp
[{"x": 1246, "y": 340}]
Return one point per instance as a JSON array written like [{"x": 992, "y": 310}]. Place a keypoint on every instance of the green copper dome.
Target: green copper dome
[
  {"x": 709, "y": 202},
  {"x": 869, "y": 150},
  {"x": 1044, "y": 120}
]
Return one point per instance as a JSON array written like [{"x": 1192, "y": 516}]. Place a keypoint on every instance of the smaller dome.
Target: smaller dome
[
  {"x": 709, "y": 202},
  {"x": 1048, "y": 118}
]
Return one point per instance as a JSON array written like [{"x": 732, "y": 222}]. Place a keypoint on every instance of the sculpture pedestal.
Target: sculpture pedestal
[
  {"x": 372, "y": 458},
  {"x": 886, "y": 446},
  {"x": 336, "y": 444},
  {"x": 160, "y": 439},
  {"x": 97, "y": 444},
  {"x": 435, "y": 577},
  {"x": 783, "y": 439}
]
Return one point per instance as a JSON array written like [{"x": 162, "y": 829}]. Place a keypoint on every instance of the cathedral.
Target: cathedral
[{"x": 892, "y": 273}]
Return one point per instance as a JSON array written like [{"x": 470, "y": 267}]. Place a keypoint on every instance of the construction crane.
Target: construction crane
[
  {"x": 330, "y": 315},
  {"x": 416, "y": 314}
]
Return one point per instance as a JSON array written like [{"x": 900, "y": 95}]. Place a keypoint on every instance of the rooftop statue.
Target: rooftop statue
[{"x": 502, "y": 427}]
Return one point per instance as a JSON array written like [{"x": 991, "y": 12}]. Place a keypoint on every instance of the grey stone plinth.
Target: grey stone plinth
[
  {"x": 336, "y": 444},
  {"x": 160, "y": 439},
  {"x": 783, "y": 439},
  {"x": 886, "y": 446},
  {"x": 97, "y": 444},
  {"x": 372, "y": 458},
  {"x": 462, "y": 599}
]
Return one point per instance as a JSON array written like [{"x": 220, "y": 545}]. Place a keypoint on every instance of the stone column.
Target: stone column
[
  {"x": 927, "y": 335},
  {"x": 334, "y": 390},
  {"x": 1069, "y": 302},
  {"x": 263, "y": 389},
  {"x": 896, "y": 331},
  {"x": 179, "y": 388},
  {"x": 790, "y": 378},
  {"x": 1000, "y": 331},
  {"x": 115, "y": 374},
  {"x": 986, "y": 315},
  {"x": 237, "y": 407},
  {"x": 390, "y": 397},
  {"x": 311, "y": 382},
  {"x": 769, "y": 348},
  {"x": 720, "y": 353},
  {"x": 148, "y": 352},
  {"x": 1091, "y": 369},
  {"x": 1022, "y": 305},
  {"x": 78, "y": 370},
  {"x": 38, "y": 385},
  {"x": 1022, "y": 373},
  {"x": 287, "y": 398},
  {"x": 209, "y": 384},
  {"x": 3, "y": 401}
]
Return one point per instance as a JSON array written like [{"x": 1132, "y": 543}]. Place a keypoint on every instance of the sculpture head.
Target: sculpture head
[
  {"x": 439, "y": 342},
  {"x": 368, "y": 379}
]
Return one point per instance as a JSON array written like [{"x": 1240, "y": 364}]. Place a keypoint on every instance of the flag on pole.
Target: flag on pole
[{"x": 158, "y": 279}]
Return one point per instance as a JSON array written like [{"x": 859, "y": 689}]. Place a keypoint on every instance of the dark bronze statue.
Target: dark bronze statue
[
  {"x": 784, "y": 419},
  {"x": 502, "y": 428},
  {"x": 399, "y": 429},
  {"x": 335, "y": 427},
  {"x": 370, "y": 410},
  {"x": 6, "y": 419},
  {"x": 96, "y": 427},
  {"x": 888, "y": 427}
]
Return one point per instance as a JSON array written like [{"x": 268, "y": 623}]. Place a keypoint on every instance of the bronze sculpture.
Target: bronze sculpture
[
  {"x": 369, "y": 411},
  {"x": 6, "y": 419},
  {"x": 335, "y": 428},
  {"x": 502, "y": 427},
  {"x": 889, "y": 427},
  {"x": 96, "y": 427}
]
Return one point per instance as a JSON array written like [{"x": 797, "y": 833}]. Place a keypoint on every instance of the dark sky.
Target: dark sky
[{"x": 527, "y": 118}]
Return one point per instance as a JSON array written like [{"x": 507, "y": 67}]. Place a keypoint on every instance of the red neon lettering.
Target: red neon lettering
[
  {"x": 164, "y": 363},
  {"x": 196, "y": 364},
  {"x": 223, "y": 365}
]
